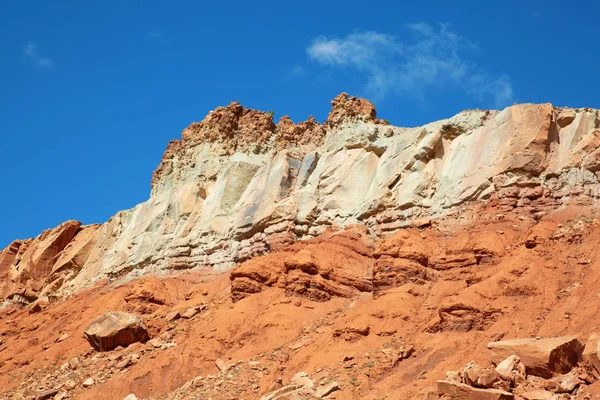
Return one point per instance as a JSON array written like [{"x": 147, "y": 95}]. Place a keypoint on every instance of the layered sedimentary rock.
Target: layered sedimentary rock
[
  {"x": 238, "y": 185},
  {"x": 334, "y": 264}
]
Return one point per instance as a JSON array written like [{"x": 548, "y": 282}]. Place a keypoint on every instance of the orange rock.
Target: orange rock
[
  {"x": 460, "y": 391},
  {"x": 35, "y": 264},
  {"x": 542, "y": 357},
  {"x": 476, "y": 376},
  {"x": 591, "y": 352},
  {"x": 76, "y": 253},
  {"x": 512, "y": 369},
  {"x": 336, "y": 264},
  {"x": 305, "y": 133},
  {"x": 346, "y": 108},
  {"x": 114, "y": 329}
]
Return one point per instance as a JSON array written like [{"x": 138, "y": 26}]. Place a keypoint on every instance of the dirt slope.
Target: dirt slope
[{"x": 407, "y": 309}]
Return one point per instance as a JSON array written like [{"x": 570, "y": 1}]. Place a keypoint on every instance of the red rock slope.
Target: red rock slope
[{"x": 372, "y": 318}]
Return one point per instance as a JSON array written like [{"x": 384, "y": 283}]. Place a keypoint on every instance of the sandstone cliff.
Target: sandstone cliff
[{"x": 238, "y": 185}]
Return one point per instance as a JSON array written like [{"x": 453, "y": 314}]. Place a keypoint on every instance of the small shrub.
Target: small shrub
[{"x": 452, "y": 131}]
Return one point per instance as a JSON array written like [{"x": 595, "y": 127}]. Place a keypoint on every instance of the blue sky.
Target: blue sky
[{"x": 92, "y": 91}]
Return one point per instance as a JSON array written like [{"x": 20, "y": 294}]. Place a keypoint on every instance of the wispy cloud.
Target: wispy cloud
[
  {"x": 296, "y": 71},
  {"x": 156, "y": 34},
  {"x": 433, "y": 59},
  {"x": 32, "y": 54}
]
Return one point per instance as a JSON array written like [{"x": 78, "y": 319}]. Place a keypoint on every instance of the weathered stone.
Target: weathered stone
[
  {"x": 281, "y": 393},
  {"x": 38, "y": 306},
  {"x": 460, "y": 391},
  {"x": 172, "y": 316},
  {"x": 312, "y": 272},
  {"x": 242, "y": 185},
  {"x": 347, "y": 109},
  {"x": 114, "y": 329},
  {"x": 88, "y": 383},
  {"x": 327, "y": 389},
  {"x": 61, "y": 395},
  {"x": 567, "y": 382},
  {"x": 32, "y": 267},
  {"x": 421, "y": 223},
  {"x": 591, "y": 352},
  {"x": 565, "y": 117},
  {"x": 46, "y": 394},
  {"x": 190, "y": 313},
  {"x": 453, "y": 376},
  {"x": 302, "y": 379},
  {"x": 221, "y": 365},
  {"x": 63, "y": 337},
  {"x": 541, "y": 357},
  {"x": 480, "y": 377},
  {"x": 511, "y": 368}
]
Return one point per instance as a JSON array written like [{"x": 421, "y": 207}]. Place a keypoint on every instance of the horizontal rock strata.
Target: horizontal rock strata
[{"x": 239, "y": 185}]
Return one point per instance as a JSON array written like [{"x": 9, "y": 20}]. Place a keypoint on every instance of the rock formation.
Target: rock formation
[
  {"x": 113, "y": 329},
  {"x": 238, "y": 185},
  {"x": 366, "y": 260}
]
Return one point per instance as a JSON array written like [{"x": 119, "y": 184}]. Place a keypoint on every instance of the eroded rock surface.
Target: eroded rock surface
[
  {"x": 543, "y": 357},
  {"x": 238, "y": 185}
]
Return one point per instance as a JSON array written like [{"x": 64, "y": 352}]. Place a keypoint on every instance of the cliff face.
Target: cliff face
[{"x": 238, "y": 185}]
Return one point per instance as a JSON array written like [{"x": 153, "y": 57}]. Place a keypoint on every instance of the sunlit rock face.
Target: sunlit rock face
[{"x": 238, "y": 185}]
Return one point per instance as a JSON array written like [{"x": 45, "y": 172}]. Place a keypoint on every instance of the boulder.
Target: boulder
[
  {"x": 567, "y": 382},
  {"x": 512, "y": 369},
  {"x": 541, "y": 357},
  {"x": 172, "y": 316},
  {"x": 460, "y": 391},
  {"x": 114, "y": 329},
  {"x": 476, "y": 376},
  {"x": 591, "y": 352},
  {"x": 46, "y": 394},
  {"x": 565, "y": 117},
  {"x": 89, "y": 382},
  {"x": 327, "y": 389}
]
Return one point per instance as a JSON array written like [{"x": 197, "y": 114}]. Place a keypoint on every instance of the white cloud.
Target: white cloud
[
  {"x": 31, "y": 53},
  {"x": 434, "y": 59},
  {"x": 499, "y": 89},
  {"x": 296, "y": 71}
]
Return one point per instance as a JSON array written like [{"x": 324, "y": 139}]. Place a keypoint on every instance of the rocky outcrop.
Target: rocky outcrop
[
  {"x": 542, "y": 357},
  {"x": 31, "y": 263},
  {"x": 337, "y": 264},
  {"x": 547, "y": 368},
  {"x": 307, "y": 133},
  {"x": 351, "y": 109},
  {"x": 36, "y": 267},
  {"x": 11, "y": 256},
  {"x": 398, "y": 343},
  {"x": 114, "y": 329},
  {"x": 238, "y": 185}
]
